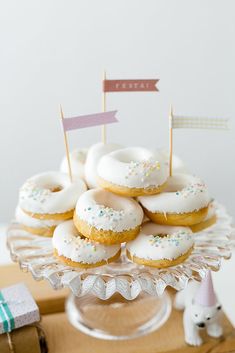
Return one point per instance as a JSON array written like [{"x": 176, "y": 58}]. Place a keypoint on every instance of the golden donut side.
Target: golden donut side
[
  {"x": 178, "y": 219},
  {"x": 131, "y": 192},
  {"x": 84, "y": 265},
  {"x": 204, "y": 224},
  {"x": 161, "y": 263},
  {"x": 45, "y": 232},
  {"x": 107, "y": 237},
  {"x": 51, "y": 216}
]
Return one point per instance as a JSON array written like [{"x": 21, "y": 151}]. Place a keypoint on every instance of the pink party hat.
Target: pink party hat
[{"x": 205, "y": 295}]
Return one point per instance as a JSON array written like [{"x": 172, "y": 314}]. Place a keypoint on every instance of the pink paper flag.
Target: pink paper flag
[
  {"x": 80, "y": 122},
  {"x": 130, "y": 85}
]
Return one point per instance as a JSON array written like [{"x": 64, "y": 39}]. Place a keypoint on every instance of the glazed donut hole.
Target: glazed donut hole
[
  {"x": 109, "y": 200},
  {"x": 53, "y": 182},
  {"x": 178, "y": 182},
  {"x": 56, "y": 188},
  {"x": 163, "y": 231},
  {"x": 55, "y": 185},
  {"x": 52, "y": 187},
  {"x": 132, "y": 156},
  {"x": 174, "y": 188},
  {"x": 162, "y": 235}
]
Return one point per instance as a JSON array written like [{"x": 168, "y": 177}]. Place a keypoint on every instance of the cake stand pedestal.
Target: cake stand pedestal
[
  {"x": 118, "y": 318},
  {"x": 121, "y": 300}
]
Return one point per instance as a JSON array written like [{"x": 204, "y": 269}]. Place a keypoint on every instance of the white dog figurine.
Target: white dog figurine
[{"x": 201, "y": 310}]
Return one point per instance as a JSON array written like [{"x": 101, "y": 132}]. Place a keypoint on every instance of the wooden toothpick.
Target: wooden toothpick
[
  {"x": 170, "y": 140},
  {"x": 66, "y": 146},
  {"x": 104, "y": 109}
]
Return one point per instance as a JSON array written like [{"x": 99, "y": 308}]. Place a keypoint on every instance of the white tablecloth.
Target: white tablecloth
[{"x": 224, "y": 281}]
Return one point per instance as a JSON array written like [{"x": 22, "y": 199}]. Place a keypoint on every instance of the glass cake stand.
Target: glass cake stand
[{"x": 121, "y": 300}]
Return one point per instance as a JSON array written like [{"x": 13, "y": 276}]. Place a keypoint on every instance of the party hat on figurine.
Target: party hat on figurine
[{"x": 205, "y": 295}]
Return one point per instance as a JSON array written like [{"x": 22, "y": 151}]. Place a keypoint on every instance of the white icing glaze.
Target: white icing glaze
[
  {"x": 150, "y": 246},
  {"x": 178, "y": 166},
  {"x": 67, "y": 241},
  {"x": 31, "y": 222},
  {"x": 77, "y": 160},
  {"x": 134, "y": 167},
  {"x": 105, "y": 210},
  {"x": 94, "y": 154},
  {"x": 36, "y": 194},
  {"x": 184, "y": 193}
]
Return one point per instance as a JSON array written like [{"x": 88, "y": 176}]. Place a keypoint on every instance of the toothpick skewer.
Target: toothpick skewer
[
  {"x": 66, "y": 146},
  {"x": 104, "y": 110},
  {"x": 170, "y": 140}
]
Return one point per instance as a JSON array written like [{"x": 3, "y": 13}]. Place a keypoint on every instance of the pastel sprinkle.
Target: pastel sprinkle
[
  {"x": 192, "y": 189},
  {"x": 142, "y": 168},
  {"x": 173, "y": 240}
]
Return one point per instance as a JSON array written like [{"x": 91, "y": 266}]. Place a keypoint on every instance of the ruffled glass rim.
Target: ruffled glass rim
[{"x": 35, "y": 254}]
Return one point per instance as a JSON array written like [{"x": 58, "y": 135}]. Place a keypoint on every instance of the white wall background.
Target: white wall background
[{"x": 54, "y": 52}]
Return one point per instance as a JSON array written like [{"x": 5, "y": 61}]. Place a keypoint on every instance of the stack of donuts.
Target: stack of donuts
[{"x": 117, "y": 196}]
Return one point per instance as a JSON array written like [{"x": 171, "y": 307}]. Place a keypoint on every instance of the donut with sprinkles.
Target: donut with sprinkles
[
  {"x": 133, "y": 172},
  {"x": 77, "y": 251},
  {"x": 160, "y": 246},
  {"x": 184, "y": 202},
  {"x": 107, "y": 218}
]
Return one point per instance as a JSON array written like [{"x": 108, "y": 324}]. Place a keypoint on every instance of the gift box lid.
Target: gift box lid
[{"x": 17, "y": 308}]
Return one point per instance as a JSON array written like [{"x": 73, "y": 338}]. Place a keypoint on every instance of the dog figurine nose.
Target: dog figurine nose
[{"x": 201, "y": 324}]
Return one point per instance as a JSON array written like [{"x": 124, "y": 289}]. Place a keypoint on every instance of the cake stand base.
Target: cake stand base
[{"x": 118, "y": 318}]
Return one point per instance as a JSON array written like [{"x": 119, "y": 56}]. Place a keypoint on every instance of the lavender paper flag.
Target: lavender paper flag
[
  {"x": 80, "y": 122},
  {"x": 17, "y": 308}
]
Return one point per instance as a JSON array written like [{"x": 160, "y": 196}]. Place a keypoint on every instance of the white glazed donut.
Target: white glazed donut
[
  {"x": 94, "y": 154},
  {"x": 108, "y": 218},
  {"x": 178, "y": 166},
  {"x": 36, "y": 226},
  {"x": 50, "y": 195},
  {"x": 77, "y": 160},
  {"x": 184, "y": 202},
  {"x": 75, "y": 250},
  {"x": 160, "y": 246},
  {"x": 133, "y": 171}
]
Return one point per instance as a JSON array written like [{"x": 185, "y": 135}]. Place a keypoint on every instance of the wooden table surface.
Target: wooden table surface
[{"x": 64, "y": 338}]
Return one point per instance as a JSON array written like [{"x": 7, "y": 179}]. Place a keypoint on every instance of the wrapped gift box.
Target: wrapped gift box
[
  {"x": 17, "y": 308},
  {"x": 48, "y": 300}
]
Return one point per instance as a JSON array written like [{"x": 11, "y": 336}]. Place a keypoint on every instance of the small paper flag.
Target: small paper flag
[
  {"x": 130, "y": 85},
  {"x": 80, "y": 122},
  {"x": 186, "y": 122}
]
